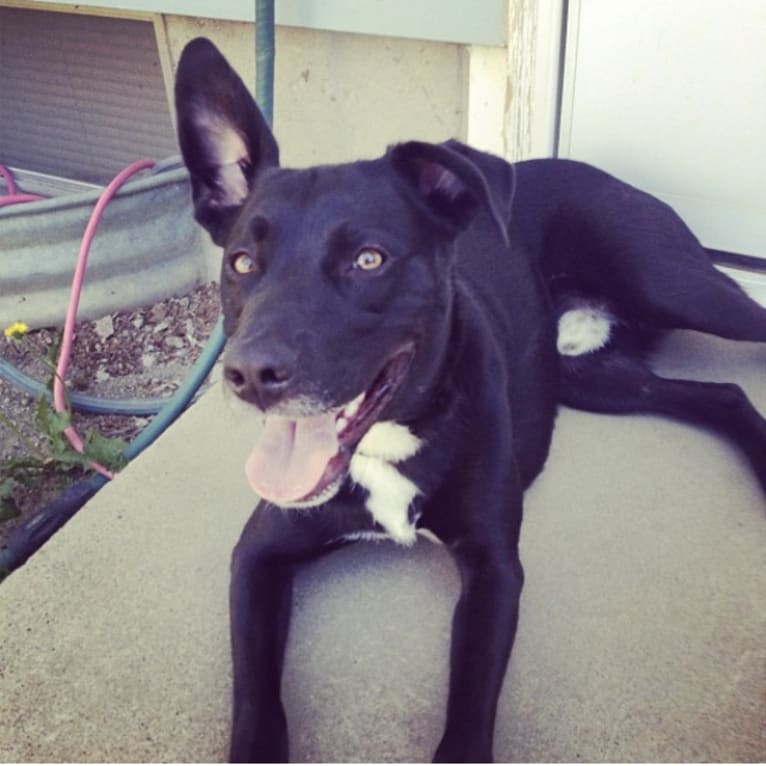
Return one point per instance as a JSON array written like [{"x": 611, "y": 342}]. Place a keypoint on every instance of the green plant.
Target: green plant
[{"x": 56, "y": 463}]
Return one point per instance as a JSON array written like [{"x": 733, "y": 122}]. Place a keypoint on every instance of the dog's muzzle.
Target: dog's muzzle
[{"x": 303, "y": 461}]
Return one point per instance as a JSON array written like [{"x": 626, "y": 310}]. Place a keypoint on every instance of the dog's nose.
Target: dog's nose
[{"x": 263, "y": 377}]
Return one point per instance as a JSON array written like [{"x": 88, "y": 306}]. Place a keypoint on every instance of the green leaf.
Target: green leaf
[
  {"x": 106, "y": 450},
  {"x": 51, "y": 359},
  {"x": 7, "y": 485},
  {"x": 14, "y": 469},
  {"x": 53, "y": 424}
]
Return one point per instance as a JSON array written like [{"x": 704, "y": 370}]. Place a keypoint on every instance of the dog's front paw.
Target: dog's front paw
[
  {"x": 264, "y": 748},
  {"x": 459, "y": 750},
  {"x": 261, "y": 742}
]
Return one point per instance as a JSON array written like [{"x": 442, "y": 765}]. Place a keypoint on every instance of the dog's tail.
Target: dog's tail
[{"x": 737, "y": 261}]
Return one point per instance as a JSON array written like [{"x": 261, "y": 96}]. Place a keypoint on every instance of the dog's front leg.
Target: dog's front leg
[
  {"x": 260, "y": 603},
  {"x": 483, "y": 629},
  {"x": 260, "y": 613}
]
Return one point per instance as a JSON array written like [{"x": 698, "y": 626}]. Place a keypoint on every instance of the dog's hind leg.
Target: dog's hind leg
[
  {"x": 635, "y": 250},
  {"x": 698, "y": 297},
  {"x": 612, "y": 381}
]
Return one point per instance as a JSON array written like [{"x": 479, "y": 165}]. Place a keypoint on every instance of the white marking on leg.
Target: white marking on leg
[{"x": 583, "y": 330}]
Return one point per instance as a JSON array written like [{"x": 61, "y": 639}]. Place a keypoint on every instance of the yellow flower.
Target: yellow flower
[{"x": 16, "y": 330}]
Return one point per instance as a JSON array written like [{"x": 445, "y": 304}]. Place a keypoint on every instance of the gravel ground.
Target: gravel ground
[{"x": 133, "y": 354}]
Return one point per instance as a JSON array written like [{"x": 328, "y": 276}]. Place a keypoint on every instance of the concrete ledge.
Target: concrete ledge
[{"x": 641, "y": 635}]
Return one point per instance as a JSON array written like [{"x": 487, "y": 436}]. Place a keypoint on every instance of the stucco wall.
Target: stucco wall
[{"x": 342, "y": 96}]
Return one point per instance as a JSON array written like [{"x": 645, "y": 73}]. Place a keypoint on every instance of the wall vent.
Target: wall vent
[{"x": 81, "y": 96}]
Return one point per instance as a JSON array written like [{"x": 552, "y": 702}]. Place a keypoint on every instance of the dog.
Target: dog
[{"x": 408, "y": 326}]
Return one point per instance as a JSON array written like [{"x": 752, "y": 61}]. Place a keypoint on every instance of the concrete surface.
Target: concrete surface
[{"x": 641, "y": 636}]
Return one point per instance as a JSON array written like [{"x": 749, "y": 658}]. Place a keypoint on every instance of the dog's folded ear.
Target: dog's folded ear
[
  {"x": 224, "y": 139},
  {"x": 449, "y": 184}
]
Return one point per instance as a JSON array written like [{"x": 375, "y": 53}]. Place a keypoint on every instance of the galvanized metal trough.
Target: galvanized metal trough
[{"x": 147, "y": 248}]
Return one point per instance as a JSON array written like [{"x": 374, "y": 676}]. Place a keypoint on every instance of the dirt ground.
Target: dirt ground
[{"x": 129, "y": 354}]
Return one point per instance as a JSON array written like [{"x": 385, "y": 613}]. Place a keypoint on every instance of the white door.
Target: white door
[{"x": 670, "y": 95}]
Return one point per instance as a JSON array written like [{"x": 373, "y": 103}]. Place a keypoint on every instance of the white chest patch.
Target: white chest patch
[
  {"x": 390, "y": 492},
  {"x": 583, "y": 330},
  {"x": 389, "y": 441}
]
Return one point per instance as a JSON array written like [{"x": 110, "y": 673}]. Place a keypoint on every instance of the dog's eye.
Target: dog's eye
[
  {"x": 369, "y": 259},
  {"x": 242, "y": 263}
]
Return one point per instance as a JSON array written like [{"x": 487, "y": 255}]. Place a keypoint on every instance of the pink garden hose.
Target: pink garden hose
[
  {"x": 13, "y": 197},
  {"x": 59, "y": 393}
]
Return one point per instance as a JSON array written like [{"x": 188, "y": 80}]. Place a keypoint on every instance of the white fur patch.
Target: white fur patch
[
  {"x": 583, "y": 330},
  {"x": 377, "y": 537},
  {"x": 229, "y": 145},
  {"x": 389, "y": 441},
  {"x": 390, "y": 493},
  {"x": 299, "y": 407},
  {"x": 429, "y": 535},
  {"x": 390, "y": 496},
  {"x": 230, "y": 149},
  {"x": 374, "y": 537}
]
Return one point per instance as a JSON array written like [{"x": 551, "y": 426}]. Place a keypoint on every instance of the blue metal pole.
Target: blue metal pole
[{"x": 264, "y": 58}]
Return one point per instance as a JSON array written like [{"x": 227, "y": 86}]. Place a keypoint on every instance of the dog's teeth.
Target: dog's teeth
[
  {"x": 353, "y": 407},
  {"x": 340, "y": 425}
]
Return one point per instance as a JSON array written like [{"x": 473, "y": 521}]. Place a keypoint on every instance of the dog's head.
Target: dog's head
[{"x": 336, "y": 280}]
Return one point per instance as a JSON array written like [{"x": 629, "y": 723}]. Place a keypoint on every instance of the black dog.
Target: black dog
[{"x": 407, "y": 327}]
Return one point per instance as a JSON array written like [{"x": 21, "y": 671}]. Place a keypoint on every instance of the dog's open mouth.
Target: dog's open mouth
[{"x": 302, "y": 462}]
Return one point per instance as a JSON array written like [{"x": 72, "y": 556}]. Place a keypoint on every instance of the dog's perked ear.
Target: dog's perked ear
[
  {"x": 224, "y": 139},
  {"x": 452, "y": 187}
]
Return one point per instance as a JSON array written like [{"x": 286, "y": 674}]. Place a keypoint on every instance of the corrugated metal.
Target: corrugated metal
[{"x": 80, "y": 96}]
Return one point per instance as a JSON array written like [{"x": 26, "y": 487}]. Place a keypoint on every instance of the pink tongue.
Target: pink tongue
[{"x": 291, "y": 456}]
